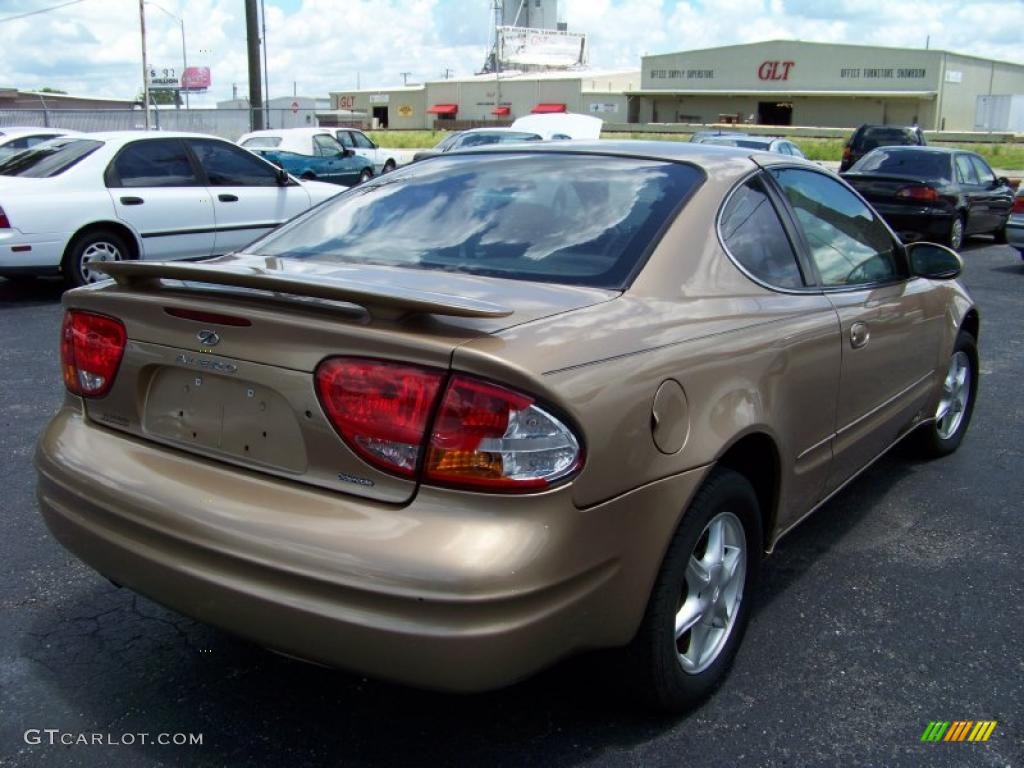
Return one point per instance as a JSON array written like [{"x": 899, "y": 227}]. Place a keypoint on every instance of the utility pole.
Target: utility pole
[
  {"x": 145, "y": 64},
  {"x": 447, "y": 73},
  {"x": 266, "y": 70},
  {"x": 405, "y": 77},
  {"x": 252, "y": 35}
]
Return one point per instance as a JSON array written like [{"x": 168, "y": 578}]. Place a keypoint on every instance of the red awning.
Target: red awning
[
  {"x": 501, "y": 111},
  {"x": 444, "y": 109},
  {"x": 544, "y": 109}
]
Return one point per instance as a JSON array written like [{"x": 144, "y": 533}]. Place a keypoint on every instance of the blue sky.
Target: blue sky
[{"x": 93, "y": 47}]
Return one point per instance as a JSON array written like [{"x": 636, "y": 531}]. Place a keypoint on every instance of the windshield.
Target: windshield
[
  {"x": 48, "y": 159},
  {"x": 262, "y": 142},
  {"x": 887, "y": 137},
  {"x": 919, "y": 163},
  {"x": 575, "y": 219}
]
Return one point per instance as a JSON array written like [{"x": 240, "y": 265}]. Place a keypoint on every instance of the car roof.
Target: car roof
[
  {"x": 709, "y": 156},
  {"x": 923, "y": 148},
  {"x": 132, "y": 135},
  {"x": 21, "y": 130}
]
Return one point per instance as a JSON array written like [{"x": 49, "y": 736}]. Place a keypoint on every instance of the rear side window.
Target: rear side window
[
  {"x": 153, "y": 163},
  {"x": 848, "y": 243},
  {"x": 920, "y": 163},
  {"x": 573, "y": 219},
  {"x": 53, "y": 159},
  {"x": 754, "y": 235},
  {"x": 361, "y": 141},
  {"x": 229, "y": 166}
]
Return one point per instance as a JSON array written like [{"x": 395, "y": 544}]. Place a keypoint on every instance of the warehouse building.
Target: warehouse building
[
  {"x": 492, "y": 99},
  {"x": 786, "y": 82}
]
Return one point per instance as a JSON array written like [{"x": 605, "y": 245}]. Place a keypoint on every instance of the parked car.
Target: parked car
[
  {"x": 476, "y": 137},
  {"x": 868, "y": 137},
  {"x": 762, "y": 143},
  {"x": 1015, "y": 226},
  {"x": 384, "y": 160},
  {"x": 539, "y": 430},
  {"x": 311, "y": 154},
  {"x": 699, "y": 136},
  {"x": 72, "y": 202},
  {"x": 14, "y": 140},
  {"x": 927, "y": 192}
]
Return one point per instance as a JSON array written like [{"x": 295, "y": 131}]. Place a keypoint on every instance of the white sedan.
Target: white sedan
[
  {"x": 383, "y": 159},
  {"x": 136, "y": 195},
  {"x": 13, "y": 140}
]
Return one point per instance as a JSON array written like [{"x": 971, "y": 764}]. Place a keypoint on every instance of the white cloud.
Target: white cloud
[{"x": 93, "y": 47}]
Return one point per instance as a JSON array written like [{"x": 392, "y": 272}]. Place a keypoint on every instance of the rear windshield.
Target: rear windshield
[
  {"x": 574, "y": 219},
  {"x": 262, "y": 142},
  {"x": 887, "y": 137},
  {"x": 48, "y": 159},
  {"x": 919, "y": 163}
]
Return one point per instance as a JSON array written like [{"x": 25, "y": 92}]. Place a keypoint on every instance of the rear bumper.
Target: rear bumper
[
  {"x": 44, "y": 252},
  {"x": 913, "y": 223},
  {"x": 455, "y": 591}
]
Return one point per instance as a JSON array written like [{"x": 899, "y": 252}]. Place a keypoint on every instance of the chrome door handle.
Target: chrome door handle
[{"x": 859, "y": 334}]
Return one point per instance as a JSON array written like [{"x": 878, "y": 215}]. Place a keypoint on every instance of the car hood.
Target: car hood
[{"x": 567, "y": 124}]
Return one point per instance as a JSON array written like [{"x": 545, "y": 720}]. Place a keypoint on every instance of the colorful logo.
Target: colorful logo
[{"x": 958, "y": 730}]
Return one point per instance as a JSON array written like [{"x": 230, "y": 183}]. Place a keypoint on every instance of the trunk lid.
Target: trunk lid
[
  {"x": 882, "y": 188},
  {"x": 235, "y": 383}
]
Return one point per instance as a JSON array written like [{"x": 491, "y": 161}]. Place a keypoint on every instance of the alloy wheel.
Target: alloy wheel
[
  {"x": 98, "y": 252},
  {"x": 712, "y": 593},
  {"x": 956, "y": 234},
  {"x": 956, "y": 393}
]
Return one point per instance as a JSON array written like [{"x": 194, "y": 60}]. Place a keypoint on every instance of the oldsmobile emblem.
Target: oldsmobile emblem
[{"x": 208, "y": 338}]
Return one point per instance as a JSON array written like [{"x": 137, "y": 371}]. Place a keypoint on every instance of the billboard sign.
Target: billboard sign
[
  {"x": 163, "y": 79},
  {"x": 521, "y": 46},
  {"x": 196, "y": 79}
]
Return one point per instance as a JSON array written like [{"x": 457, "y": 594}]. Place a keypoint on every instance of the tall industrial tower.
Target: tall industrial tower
[{"x": 525, "y": 14}]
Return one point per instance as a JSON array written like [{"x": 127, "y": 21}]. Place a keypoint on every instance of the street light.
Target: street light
[{"x": 181, "y": 21}]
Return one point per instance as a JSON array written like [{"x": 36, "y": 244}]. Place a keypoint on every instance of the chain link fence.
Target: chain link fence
[{"x": 226, "y": 123}]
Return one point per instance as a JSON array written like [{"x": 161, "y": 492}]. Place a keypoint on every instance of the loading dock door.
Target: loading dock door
[
  {"x": 381, "y": 113},
  {"x": 774, "y": 113}
]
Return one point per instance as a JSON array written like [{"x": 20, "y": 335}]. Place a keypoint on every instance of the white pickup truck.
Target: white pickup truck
[{"x": 384, "y": 160}]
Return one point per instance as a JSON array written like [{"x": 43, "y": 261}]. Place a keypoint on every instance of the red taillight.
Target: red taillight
[
  {"x": 91, "y": 348},
  {"x": 492, "y": 438},
  {"x": 1018, "y": 204},
  {"x": 380, "y": 409},
  {"x": 920, "y": 193},
  {"x": 5, "y": 223},
  {"x": 483, "y": 436}
]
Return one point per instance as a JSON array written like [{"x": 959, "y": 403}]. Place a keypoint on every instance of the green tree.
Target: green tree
[
  {"x": 162, "y": 96},
  {"x": 48, "y": 89}
]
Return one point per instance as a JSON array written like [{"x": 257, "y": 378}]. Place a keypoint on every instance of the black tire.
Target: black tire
[
  {"x": 365, "y": 176},
  {"x": 654, "y": 664},
  {"x": 85, "y": 248},
  {"x": 1000, "y": 234},
  {"x": 389, "y": 166},
  {"x": 955, "y": 237},
  {"x": 931, "y": 442}
]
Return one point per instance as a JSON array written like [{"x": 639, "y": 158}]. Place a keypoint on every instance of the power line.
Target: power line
[{"x": 41, "y": 10}]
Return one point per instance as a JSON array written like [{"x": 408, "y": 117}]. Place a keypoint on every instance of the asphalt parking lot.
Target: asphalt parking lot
[{"x": 899, "y": 603}]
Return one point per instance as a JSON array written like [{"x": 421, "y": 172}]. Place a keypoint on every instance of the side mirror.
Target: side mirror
[
  {"x": 283, "y": 179},
  {"x": 347, "y": 152},
  {"x": 1002, "y": 181},
  {"x": 935, "y": 262}
]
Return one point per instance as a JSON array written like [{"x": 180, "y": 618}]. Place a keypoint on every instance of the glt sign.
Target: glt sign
[{"x": 774, "y": 70}]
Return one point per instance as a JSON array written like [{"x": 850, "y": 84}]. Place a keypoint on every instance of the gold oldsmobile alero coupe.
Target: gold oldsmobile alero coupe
[{"x": 502, "y": 406}]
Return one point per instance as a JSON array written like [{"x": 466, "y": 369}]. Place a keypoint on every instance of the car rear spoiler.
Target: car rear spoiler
[{"x": 385, "y": 302}]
